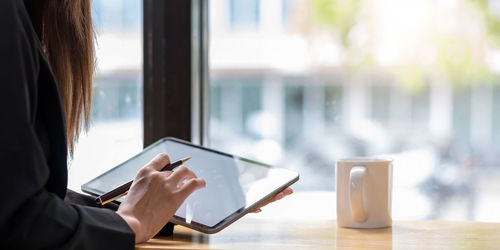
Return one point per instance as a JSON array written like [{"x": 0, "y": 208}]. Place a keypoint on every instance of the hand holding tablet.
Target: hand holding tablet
[{"x": 234, "y": 185}]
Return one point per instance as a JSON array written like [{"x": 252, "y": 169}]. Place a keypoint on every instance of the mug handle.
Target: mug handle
[{"x": 356, "y": 190}]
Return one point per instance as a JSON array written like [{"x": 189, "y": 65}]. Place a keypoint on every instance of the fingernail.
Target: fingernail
[{"x": 204, "y": 182}]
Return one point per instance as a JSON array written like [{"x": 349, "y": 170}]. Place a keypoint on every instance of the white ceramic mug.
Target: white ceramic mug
[{"x": 364, "y": 187}]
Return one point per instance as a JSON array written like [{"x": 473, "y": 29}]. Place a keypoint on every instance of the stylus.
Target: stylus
[{"x": 123, "y": 189}]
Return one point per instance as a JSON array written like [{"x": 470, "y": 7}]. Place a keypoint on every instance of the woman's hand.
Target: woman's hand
[
  {"x": 154, "y": 197},
  {"x": 279, "y": 196}
]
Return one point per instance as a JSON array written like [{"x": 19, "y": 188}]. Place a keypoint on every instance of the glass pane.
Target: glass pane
[
  {"x": 302, "y": 83},
  {"x": 115, "y": 133}
]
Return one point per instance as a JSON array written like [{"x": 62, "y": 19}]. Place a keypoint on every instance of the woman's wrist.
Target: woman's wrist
[{"x": 134, "y": 224}]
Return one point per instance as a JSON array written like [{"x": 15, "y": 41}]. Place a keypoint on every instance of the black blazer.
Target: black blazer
[{"x": 33, "y": 153}]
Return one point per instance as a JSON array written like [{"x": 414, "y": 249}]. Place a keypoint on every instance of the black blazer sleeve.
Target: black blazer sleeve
[{"x": 32, "y": 217}]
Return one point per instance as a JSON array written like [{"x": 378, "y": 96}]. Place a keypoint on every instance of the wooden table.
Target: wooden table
[{"x": 251, "y": 233}]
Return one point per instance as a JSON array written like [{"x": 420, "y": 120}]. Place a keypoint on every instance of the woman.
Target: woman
[{"x": 46, "y": 60}]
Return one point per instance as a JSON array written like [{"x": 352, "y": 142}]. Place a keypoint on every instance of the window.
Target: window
[
  {"x": 116, "y": 131},
  {"x": 244, "y": 13},
  {"x": 302, "y": 83},
  {"x": 315, "y": 81}
]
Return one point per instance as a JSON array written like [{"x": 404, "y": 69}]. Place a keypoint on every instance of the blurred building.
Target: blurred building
[{"x": 269, "y": 82}]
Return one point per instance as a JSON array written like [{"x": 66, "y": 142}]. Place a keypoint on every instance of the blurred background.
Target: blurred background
[
  {"x": 301, "y": 83},
  {"x": 116, "y": 131}
]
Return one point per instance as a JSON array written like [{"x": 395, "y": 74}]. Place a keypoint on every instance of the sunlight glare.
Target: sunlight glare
[{"x": 400, "y": 25}]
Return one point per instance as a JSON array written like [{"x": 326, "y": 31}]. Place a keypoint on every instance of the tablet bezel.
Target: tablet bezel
[{"x": 194, "y": 225}]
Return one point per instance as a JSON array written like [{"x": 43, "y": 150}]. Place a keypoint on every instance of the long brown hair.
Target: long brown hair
[{"x": 65, "y": 30}]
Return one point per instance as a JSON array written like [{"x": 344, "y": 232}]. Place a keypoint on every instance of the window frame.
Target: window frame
[{"x": 175, "y": 70}]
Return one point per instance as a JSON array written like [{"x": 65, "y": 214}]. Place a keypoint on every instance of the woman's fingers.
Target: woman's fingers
[
  {"x": 288, "y": 191},
  {"x": 257, "y": 210},
  {"x": 162, "y": 192},
  {"x": 190, "y": 186},
  {"x": 160, "y": 161},
  {"x": 181, "y": 174},
  {"x": 279, "y": 196}
]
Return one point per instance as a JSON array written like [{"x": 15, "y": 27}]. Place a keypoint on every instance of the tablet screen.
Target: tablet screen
[{"x": 233, "y": 184}]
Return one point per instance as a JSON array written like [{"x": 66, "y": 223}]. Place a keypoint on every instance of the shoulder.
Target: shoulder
[
  {"x": 19, "y": 55},
  {"x": 13, "y": 16},
  {"x": 10, "y": 8},
  {"x": 18, "y": 35},
  {"x": 8, "y": 3}
]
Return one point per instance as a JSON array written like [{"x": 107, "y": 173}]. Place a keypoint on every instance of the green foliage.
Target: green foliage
[
  {"x": 459, "y": 58},
  {"x": 337, "y": 14},
  {"x": 458, "y": 64},
  {"x": 491, "y": 21}
]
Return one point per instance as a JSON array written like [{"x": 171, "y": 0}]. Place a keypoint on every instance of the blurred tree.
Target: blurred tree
[
  {"x": 458, "y": 53},
  {"x": 337, "y": 14},
  {"x": 491, "y": 19}
]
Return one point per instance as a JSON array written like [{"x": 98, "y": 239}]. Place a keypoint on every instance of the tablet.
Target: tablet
[{"x": 234, "y": 185}]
